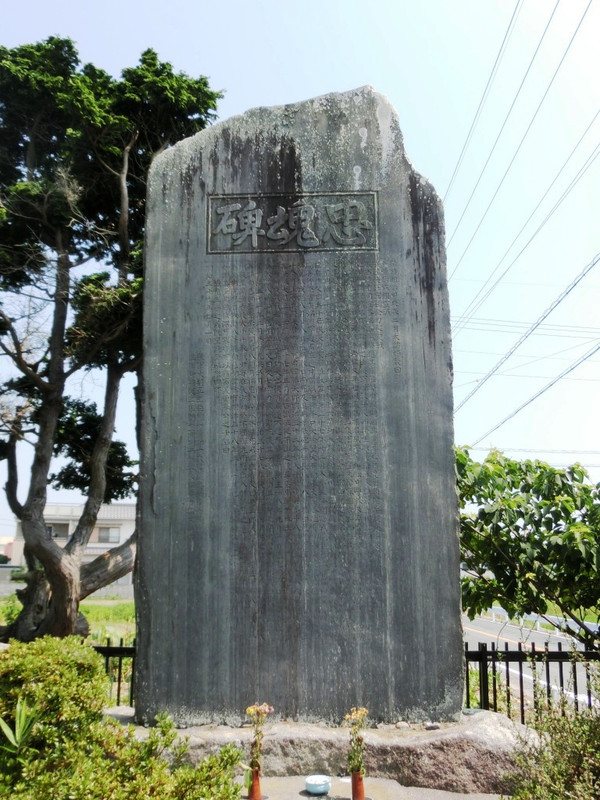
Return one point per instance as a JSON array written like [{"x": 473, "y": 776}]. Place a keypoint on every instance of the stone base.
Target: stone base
[{"x": 475, "y": 755}]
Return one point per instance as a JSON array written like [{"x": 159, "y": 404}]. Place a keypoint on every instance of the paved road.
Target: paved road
[
  {"x": 488, "y": 631},
  {"x": 500, "y": 632}
]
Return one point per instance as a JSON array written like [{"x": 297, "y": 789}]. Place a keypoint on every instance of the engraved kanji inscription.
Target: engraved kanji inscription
[
  {"x": 294, "y": 223},
  {"x": 283, "y": 223}
]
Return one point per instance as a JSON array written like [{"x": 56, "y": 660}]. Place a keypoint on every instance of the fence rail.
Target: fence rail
[
  {"x": 119, "y": 663},
  {"x": 527, "y": 676},
  {"x": 503, "y": 679}
]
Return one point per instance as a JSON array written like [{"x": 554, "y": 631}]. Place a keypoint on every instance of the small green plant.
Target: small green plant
[
  {"x": 258, "y": 715},
  {"x": 474, "y": 699},
  {"x": 71, "y": 750},
  {"x": 9, "y": 609},
  {"x": 17, "y": 739},
  {"x": 563, "y": 761},
  {"x": 356, "y": 720}
]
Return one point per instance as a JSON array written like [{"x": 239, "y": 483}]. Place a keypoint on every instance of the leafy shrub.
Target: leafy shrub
[
  {"x": 65, "y": 678},
  {"x": 74, "y": 752},
  {"x": 111, "y": 764},
  {"x": 10, "y": 608},
  {"x": 565, "y": 761}
]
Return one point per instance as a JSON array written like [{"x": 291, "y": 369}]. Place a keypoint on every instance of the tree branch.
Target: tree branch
[
  {"x": 102, "y": 341},
  {"x": 17, "y": 357},
  {"x": 13, "y": 476},
  {"x": 108, "y": 567},
  {"x": 124, "y": 210},
  {"x": 98, "y": 459},
  {"x": 50, "y": 409}
]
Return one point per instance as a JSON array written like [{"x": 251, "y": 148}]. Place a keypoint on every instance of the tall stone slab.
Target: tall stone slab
[{"x": 298, "y": 518}]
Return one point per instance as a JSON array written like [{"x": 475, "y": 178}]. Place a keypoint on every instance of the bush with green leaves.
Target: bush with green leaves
[
  {"x": 65, "y": 678},
  {"x": 10, "y": 608},
  {"x": 72, "y": 751},
  {"x": 564, "y": 762},
  {"x": 530, "y": 541}
]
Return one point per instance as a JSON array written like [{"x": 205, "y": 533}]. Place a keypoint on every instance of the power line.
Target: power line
[
  {"x": 554, "y": 356},
  {"x": 548, "y": 330},
  {"x": 549, "y": 357},
  {"x": 562, "y": 375},
  {"x": 512, "y": 161},
  {"x": 488, "y": 86},
  {"x": 539, "y": 451},
  {"x": 527, "y": 376},
  {"x": 535, "y": 325},
  {"x": 473, "y": 305},
  {"x": 543, "y": 450},
  {"x": 506, "y": 118},
  {"x": 586, "y": 466}
]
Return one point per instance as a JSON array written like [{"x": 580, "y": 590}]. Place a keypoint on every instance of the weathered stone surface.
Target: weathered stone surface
[
  {"x": 298, "y": 500},
  {"x": 474, "y": 755}
]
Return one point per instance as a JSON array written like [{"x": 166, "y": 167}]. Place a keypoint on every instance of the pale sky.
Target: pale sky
[{"x": 433, "y": 59}]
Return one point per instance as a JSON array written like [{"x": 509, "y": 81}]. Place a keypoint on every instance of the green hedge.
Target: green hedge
[{"x": 74, "y": 752}]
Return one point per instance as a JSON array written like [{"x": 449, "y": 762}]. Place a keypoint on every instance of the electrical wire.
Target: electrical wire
[
  {"x": 539, "y": 450},
  {"x": 565, "y": 293},
  {"x": 549, "y": 357},
  {"x": 574, "y": 181},
  {"x": 554, "y": 356},
  {"x": 549, "y": 331},
  {"x": 533, "y": 118},
  {"x": 475, "y": 304},
  {"x": 543, "y": 450},
  {"x": 526, "y": 377},
  {"x": 488, "y": 86},
  {"x": 542, "y": 391},
  {"x": 506, "y": 118}
]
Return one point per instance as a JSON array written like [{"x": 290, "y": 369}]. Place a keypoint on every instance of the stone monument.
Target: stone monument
[{"x": 299, "y": 539}]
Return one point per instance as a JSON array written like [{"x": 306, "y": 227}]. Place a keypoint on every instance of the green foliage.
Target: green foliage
[
  {"x": 76, "y": 145},
  {"x": 530, "y": 538},
  {"x": 107, "y": 314},
  {"x": 565, "y": 760},
  {"x": 64, "y": 678},
  {"x": 64, "y": 130},
  {"x": 81, "y": 753},
  {"x": 17, "y": 738},
  {"x": 103, "y": 613},
  {"x": 110, "y": 620},
  {"x": 77, "y": 431},
  {"x": 474, "y": 699},
  {"x": 356, "y": 721},
  {"x": 9, "y": 609},
  {"x": 258, "y": 714}
]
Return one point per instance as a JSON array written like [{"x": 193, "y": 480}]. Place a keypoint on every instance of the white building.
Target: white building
[{"x": 114, "y": 525}]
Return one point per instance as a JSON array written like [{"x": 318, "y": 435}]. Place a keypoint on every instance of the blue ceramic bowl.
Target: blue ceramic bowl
[{"x": 318, "y": 784}]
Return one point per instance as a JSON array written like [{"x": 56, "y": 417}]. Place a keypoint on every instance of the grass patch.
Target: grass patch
[{"x": 110, "y": 619}]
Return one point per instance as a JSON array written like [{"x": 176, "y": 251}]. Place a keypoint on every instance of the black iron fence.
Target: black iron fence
[
  {"x": 525, "y": 678},
  {"x": 119, "y": 663},
  {"x": 514, "y": 681}
]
